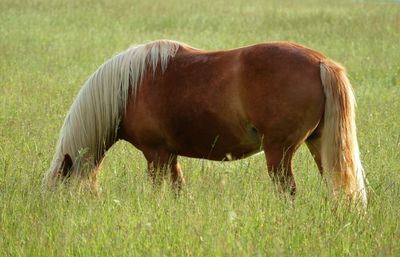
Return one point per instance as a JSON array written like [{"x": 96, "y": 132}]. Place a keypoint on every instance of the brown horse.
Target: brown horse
[{"x": 169, "y": 99}]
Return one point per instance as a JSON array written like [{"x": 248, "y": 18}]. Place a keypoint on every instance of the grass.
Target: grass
[{"x": 49, "y": 48}]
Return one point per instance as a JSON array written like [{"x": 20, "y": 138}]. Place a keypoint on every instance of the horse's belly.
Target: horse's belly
[
  {"x": 222, "y": 153},
  {"x": 224, "y": 144}
]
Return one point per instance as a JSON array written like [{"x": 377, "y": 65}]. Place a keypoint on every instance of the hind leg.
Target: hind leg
[{"x": 279, "y": 162}]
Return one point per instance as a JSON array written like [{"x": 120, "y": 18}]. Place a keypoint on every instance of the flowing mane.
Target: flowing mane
[{"x": 92, "y": 122}]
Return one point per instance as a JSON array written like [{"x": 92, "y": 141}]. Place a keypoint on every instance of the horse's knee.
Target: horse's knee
[
  {"x": 156, "y": 172},
  {"x": 162, "y": 162}
]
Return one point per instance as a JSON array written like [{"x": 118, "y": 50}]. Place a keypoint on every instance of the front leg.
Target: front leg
[
  {"x": 177, "y": 178},
  {"x": 158, "y": 164}
]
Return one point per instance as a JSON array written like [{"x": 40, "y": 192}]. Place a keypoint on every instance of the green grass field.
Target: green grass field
[{"x": 49, "y": 48}]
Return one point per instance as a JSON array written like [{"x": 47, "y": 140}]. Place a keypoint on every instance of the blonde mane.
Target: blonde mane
[{"x": 91, "y": 124}]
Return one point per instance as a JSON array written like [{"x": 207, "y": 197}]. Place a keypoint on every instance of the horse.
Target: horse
[{"x": 169, "y": 99}]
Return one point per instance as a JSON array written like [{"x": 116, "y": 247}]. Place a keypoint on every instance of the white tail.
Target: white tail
[{"x": 340, "y": 152}]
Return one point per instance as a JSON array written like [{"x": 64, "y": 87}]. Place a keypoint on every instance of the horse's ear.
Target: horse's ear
[{"x": 66, "y": 166}]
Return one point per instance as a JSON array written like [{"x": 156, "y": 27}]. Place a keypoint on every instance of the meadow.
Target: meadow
[{"x": 48, "y": 48}]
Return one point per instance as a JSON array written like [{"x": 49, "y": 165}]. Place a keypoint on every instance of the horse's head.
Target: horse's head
[
  {"x": 60, "y": 170},
  {"x": 67, "y": 169}
]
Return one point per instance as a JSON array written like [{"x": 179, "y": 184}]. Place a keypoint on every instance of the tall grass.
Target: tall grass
[{"x": 49, "y": 48}]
